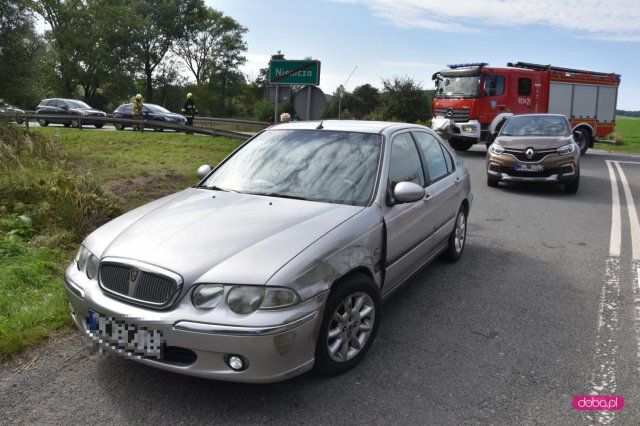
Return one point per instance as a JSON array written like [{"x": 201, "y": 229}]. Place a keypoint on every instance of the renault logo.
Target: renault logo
[
  {"x": 450, "y": 112},
  {"x": 530, "y": 153}
]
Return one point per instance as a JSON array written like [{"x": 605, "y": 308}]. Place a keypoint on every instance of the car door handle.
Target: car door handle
[
  {"x": 427, "y": 197},
  {"x": 457, "y": 180}
]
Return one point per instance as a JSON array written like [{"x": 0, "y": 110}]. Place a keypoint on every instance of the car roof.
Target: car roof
[
  {"x": 347, "y": 126},
  {"x": 539, "y": 115}
]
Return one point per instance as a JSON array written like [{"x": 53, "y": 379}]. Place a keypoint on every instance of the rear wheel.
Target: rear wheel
[
  {"x": 458, "y": 237},
  {"x": 582, "y": 136},
  {"x": 119, "y": 126},
  {"x": 460, "y": 144},
  {"x": 99, "y": 125},
  {"x": 349, "y": 325}
]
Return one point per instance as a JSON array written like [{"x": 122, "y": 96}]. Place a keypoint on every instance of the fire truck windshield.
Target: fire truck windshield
[{"x": 457, "y": 87}]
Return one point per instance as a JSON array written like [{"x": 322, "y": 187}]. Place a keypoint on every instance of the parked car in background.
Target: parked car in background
[
  {"x": 535, "y": 148},
  {"x": 72, "y": 109},
  {"x": 151, "y": 112},
  {"x": 9, "y": 111},
  {"x": 277, "y": 261}
]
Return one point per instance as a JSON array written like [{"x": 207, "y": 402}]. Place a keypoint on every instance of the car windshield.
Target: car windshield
[
  {"x": 458, "y": 87},
  {"x": 536, "y": 126},
  {"x": 78, "y": 105},
  {"x": 318, "y": 165},
  {"x": 157, "y": 108}
]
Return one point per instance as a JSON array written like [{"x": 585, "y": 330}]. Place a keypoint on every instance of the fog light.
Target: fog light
[
  {"x": 236, "y": 363},
  {"x": 468, "y": 129}
]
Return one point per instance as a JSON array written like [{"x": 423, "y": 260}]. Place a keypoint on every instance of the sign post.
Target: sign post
[{"x": 304, "y": 72}]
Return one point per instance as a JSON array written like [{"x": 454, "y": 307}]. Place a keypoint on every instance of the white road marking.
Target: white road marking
[
  {"x": 603, "y": 378},
  {"x": 616, "y": 222},
  {"x": 633, "y": 215}
]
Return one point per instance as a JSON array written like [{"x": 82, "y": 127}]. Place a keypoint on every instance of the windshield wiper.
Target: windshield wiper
[
  {"x": 217, "y": 188},
  {"x": 277, "y": 195}
]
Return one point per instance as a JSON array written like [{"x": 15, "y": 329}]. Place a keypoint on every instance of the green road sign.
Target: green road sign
[{"x": 294, "y": 72}]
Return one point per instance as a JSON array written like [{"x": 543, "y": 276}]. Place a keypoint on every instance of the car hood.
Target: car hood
[
  {"x": 536, "y": 142},
  {"x": 232, "y": 238}
]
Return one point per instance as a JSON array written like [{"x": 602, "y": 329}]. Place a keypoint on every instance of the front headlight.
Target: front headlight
[
  {"x": 244, "y": 299},
  {"x": 82, "y": 257},
  {"x": 496, "y": 148},
  {"x": 207, "y": 296},
  {"x": 567, "y": 149},
  {"x": 88, "y": 262}
]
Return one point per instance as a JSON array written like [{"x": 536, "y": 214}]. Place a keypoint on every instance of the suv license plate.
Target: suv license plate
[
  {"x": 529, "y": 167},
  {"x": 123, "y": 337}
]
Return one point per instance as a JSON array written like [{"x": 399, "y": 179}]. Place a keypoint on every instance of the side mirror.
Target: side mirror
[
  {"x": 408, "y": 192},
  {"x": 203, "y": 171}
]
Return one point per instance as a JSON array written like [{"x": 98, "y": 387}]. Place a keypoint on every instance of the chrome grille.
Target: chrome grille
[
  {"x": 537, "y": 156},
  {"x": 458, "y": 115},
  {"x": 137, "y": 285}
]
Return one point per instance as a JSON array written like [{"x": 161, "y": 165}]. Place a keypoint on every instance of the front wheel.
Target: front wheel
[
  {"x": 118, "y": 126},
  {"x": 43, "y": 123},
  {"x": 349, "y": 325},
  {"x": 582, "y": 137},
  {"x": 99, "y": 125},
  {"x": 460, "y": 144},
  {"x": 458, "y": 237},
  {"x": 492, "y": 181},
  {"x": 572, "y": 187},
  {"x": 75, "y": 124}
]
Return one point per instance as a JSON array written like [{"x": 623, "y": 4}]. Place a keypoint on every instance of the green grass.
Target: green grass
[
  {"x": 139, "y": 167},
  {"x": 627, "y": 134},
  {"x": 53, "y": 194}
]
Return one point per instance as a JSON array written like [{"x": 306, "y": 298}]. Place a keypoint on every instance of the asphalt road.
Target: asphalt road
[{"x": 539, "y": 309}]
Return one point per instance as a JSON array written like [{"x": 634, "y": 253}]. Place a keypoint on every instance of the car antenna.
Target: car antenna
[{"x": 320, "y": 127}]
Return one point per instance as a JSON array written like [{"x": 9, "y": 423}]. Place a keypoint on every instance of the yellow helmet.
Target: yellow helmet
[
  {"x": 189, "y": 95},
  {"x": 138, "y": 96}
]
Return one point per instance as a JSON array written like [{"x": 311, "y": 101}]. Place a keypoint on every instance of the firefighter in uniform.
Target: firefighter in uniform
[
  {"x": 189, "y": 109},
  {"x": 137, "y": 111}
]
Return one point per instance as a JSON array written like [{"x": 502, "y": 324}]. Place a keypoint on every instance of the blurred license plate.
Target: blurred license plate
[
  {"x": 529, "y": 167},
  {"x": 124, "y": 337}
]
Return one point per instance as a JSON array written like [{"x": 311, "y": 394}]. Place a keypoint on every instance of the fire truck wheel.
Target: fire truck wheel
[
  {"x": 460, "y": 144},
  {"x": 582, "y": 136}
]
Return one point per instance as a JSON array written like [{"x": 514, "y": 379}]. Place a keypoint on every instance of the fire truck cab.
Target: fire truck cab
[{"x": 472, "y": 101}]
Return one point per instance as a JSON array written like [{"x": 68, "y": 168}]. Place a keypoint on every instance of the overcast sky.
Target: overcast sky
[{"x": 415, "y": 38}]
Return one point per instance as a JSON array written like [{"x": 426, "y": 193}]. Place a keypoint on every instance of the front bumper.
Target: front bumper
[
  {"x": 274, "y": 352},
  {"x": 554, "y": 169},
  {"x": 448, "y": 128}
]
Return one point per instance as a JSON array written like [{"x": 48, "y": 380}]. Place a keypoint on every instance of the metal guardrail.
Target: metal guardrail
[{"x": 149, "y": 124}]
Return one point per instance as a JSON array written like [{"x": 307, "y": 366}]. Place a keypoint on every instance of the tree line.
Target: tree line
[{"x": 106, "y": 51}]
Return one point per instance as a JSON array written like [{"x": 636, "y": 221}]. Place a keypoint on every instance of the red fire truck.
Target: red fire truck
[{"x": 473, "y": 101}]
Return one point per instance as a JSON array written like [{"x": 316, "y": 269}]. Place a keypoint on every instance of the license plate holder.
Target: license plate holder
[
  {"x": 124, "y": 337},
  {"x": 528, "y": 167}
]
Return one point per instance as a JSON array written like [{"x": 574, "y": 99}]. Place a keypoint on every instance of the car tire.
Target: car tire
[
  {"x": 67, "y": 124},
  {"x": 347, "y": 333},
  {"x": 492, "y": 181},
  {"x": 99, "y": 125},
  {"x": 118, "y": 126},
  {"x": 572, "y": 187},
  {"x": 75, "y": 124},
  {"x": 457, "y": 238},
  {"x": 460, "y": 144},
  {"x": 43, "y": 123}
]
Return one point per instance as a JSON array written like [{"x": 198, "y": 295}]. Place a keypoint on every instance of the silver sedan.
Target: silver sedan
[{"x": 277, "y": 261}]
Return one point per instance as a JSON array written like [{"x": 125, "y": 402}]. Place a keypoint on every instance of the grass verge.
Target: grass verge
[
  {"x": 627, "y": 135},
  {"x": 56, "y": 186}
]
